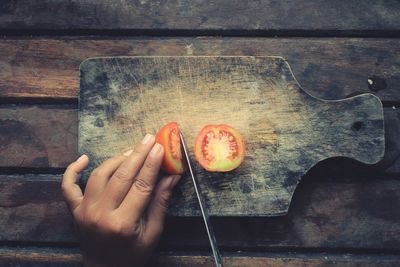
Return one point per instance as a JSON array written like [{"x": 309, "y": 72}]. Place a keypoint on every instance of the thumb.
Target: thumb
[{"x": 158, "y": 207}]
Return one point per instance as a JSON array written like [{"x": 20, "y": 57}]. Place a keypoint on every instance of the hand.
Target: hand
[{"x": 121, "y": 215}]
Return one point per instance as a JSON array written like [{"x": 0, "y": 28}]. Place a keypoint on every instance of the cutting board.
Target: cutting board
[{"x": 286, "y": 130}]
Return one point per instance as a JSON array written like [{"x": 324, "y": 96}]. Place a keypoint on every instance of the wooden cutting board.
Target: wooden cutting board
[{"x": 286, "y": 130}]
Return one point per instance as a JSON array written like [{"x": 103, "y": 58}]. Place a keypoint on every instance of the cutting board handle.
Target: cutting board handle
[{"x": 354, "y": 127}]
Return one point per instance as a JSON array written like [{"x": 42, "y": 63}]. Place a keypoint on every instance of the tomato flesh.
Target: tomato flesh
[
  {"x": 219, "y": 148},
  {"x": 168, "y": 137}
]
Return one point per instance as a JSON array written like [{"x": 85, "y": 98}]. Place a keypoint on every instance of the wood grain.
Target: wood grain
[
  {"x": 325, "y": 213},
  {"x": 38, "y": 137},
  {"x": 28, "y": 257},
  {"x": 286, "y": 130},
  {"x": 46, "y": 132},
  {"x": 391, "y": 160},
  {"x": 328, "y": 68},
  {"x": 266, "y": 15},
  {"x": 46, "y": 70}
]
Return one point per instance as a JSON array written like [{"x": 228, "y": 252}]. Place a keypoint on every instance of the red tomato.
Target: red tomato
[
  {"x": 219, "y": 148},
  {"x": 168, "y": 137}
]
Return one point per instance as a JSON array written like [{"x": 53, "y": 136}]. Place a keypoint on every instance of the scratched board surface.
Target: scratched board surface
[{"x": 286, "y": 131}]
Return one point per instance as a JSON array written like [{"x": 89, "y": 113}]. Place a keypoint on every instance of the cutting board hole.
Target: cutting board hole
[
  {"x": 376, "y": 83},
  {"x": 357, "y": 126}
]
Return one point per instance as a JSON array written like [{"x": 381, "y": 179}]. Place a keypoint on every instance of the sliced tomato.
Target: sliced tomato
[
  {"x": 168, "y": 137},
  {"x": 219, "y": 148}
]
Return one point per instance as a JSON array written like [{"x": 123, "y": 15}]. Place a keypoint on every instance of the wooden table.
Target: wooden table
[{"x": 342, "y": 214}]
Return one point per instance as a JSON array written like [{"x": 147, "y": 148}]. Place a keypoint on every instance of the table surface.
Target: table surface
[{"x": 343, "y": 213}]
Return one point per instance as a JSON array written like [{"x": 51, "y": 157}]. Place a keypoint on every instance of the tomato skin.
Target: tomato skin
[
  {"x": 168, "y": 137},
  {"x": 226, "y": 155}
]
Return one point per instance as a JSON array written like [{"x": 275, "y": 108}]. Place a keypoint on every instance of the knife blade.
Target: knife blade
[{"x": 202, "y": 204}]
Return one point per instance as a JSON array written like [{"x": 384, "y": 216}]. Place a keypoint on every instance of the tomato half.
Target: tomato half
[
  {"x": 168, "y": 137},
  {"x": 219, "y": 148}
]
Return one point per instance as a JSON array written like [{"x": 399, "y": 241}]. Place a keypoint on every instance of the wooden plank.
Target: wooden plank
[
  {"x": 38, "y": 137},
  {"x": 391, "y": 160},
  {"x": 322, "y": 214},
  {"x": 267, "y": 15},
  {"x": 46, "y": 137},
  {"x": 326, "y": 67},
  {"x": 286, "y": 131},
  {"x": 279, "y": 261},
  {"x": 27, "y": 257},
  {"x": 354, "y": 213},
  {"x": 33, "y": 209}
]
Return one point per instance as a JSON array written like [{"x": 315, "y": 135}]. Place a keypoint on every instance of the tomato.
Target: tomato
[
  {"x": 168, "y": 137},
  {"x": 219, "y": 148}
]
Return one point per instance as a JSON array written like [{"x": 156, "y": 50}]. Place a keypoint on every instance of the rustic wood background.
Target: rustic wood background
[{"x": 342, "y": 214}]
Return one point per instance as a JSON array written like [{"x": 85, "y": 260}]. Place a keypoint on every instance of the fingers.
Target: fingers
[
  {"x": 122, "y": 179},
  {"x": 101, "y": 175},
  {"x": 159, "y": 205},
  {"x": 139, "y": 195},
  {"x": 71, "y": 191}
]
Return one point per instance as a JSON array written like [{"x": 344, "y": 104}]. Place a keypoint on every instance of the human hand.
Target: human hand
[{"x": 121, "y": 215}]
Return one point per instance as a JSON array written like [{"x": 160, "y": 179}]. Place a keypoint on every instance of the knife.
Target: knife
[{"x": 202, "y": 204}]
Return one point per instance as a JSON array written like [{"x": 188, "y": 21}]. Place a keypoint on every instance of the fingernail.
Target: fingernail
[
  {"x": 81, "y": 158},
  {"x": 127, "y": 153},
  {"x": 155, "y": 150},
  {"x": 146, "y": 139}
]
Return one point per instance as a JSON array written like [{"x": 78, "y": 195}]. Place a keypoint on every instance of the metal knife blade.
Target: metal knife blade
[{"x": 202, "y": 204}]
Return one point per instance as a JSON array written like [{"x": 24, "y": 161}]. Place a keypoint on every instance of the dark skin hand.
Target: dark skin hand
[{"x": 121, "y": 215}]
